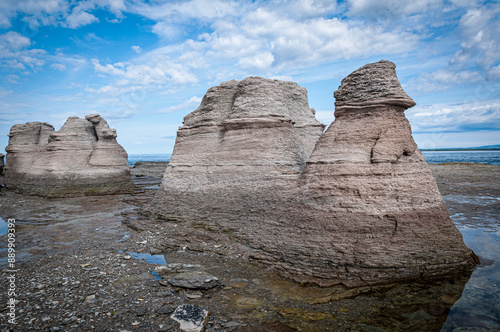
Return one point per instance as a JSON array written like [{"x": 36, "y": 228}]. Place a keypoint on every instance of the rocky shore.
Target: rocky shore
[{"x": 82, "y": 265}]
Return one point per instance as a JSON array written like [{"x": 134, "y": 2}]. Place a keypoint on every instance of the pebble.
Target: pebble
[
  {"x": 91, "y": 299},
  {"x": 140, "y": 311},
  {"x": 166, "y": 309}
]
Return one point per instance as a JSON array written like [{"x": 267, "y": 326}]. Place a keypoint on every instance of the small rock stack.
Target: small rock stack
[{"x": 82, "y": 158}]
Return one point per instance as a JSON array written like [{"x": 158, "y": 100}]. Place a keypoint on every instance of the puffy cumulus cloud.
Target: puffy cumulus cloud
[
  {"x": 297, "y": 43},
  {"x": 67, "y": 13},
  {"x": 267, "y": 40},
  {"x": 14, "y": 41},
  {"x": 136, "y": 49},
  {"x": 14, "y": 54},
  {"x": 79, "y": 18},
  {"x": 150, "y": 73},
  {"x": 484, "y": 115},
  {"x": 10, "y": 8}
]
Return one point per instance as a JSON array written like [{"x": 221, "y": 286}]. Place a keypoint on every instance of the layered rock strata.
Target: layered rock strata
[
  {"x": 370, "y": 210},
  {"x": 235, "y": 152},
  {"x": 364, "y": 209},
  {"x": 82, "y": 158}
]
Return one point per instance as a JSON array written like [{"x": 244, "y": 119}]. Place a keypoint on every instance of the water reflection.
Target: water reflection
[{"x": 479, "y": 306}]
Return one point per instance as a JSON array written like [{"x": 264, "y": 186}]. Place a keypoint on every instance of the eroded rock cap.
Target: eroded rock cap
[{"x": 375, "y": 84}]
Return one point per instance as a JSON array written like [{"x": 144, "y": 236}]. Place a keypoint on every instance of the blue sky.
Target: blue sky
[{"x": 144, "y": 65}]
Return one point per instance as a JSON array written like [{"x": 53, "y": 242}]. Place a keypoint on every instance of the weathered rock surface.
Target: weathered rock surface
[
  {"x": 190, "y": 317},
  {"x": 245, "y": 141},
  {"x": 83, "y": 157},
  {"x": 370, "y": 208},
  {"x": 194, "y": 280},
  {"x": 363, "y": 209}
]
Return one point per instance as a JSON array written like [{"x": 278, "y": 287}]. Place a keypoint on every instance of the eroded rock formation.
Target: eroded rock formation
[
  {"x": 365, "y": 209},
  {"x": 237, "y": 149},
  {"x": 83, "y": 157}
]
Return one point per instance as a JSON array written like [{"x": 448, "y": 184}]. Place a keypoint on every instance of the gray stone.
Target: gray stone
[
  {"x": 140, "y": 311},
  {"x": 166, "y": 309},
  {"x": 190, "y": 317},
  {"x": 91, "y": 299},
  {"x": 169, "y": 269},
  {"x": 194, "y": 280}
]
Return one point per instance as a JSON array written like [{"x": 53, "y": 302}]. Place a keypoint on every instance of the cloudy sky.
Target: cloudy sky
[{"x": 144, "y": 65}]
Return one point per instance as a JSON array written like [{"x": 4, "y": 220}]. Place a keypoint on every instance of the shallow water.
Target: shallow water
[
  {"x": 491, "y": 157},
  {"x": 4, "y": 226},
  {"x": 154, "y": 259},
  {"x": 479, "y": 305}
]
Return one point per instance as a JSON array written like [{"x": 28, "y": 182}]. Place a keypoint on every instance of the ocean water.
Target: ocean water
[
  {"x": 133, "y": 158},
  {"x": 491, "y": 157}
]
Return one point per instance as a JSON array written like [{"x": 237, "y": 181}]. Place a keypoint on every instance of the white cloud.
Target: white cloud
[
  {"x": 261, "y": 61},
  {"x": 5, "y": 92},
  {"x": 79, "y": 18},
  {"x": 71, "y": 14},
  {"x": 480, "y": 115},
  {"x": 15, "y": 55},
  {"x": 14, "y": 41},
  {"x": 187, "y": 9},
  {"x": 58, "y": 66},
  {"x": 480, "y": 38},
  {"x": 391, "y": 7},
  {"x": 136, "y": 49},
  {"x": 443, "y": 79},
  {"x": 189, "y": 105}
]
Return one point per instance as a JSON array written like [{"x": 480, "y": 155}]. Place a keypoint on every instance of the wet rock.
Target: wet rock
[
  {"x": 82, "y": 158},
  {"x": 194, "y": 280},
  {"x": 166, "y": 309},
  {"x": 190, "y": 317}
]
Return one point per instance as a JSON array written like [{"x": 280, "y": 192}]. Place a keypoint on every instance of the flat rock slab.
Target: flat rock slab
[
  {"x": 169, "y": 269},
  {"x": 194, "y": 280},
  {"x": 190, "y": 317}
]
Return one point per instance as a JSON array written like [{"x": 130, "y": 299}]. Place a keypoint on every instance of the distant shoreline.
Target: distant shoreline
[{"x": 462, "y": 149}]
